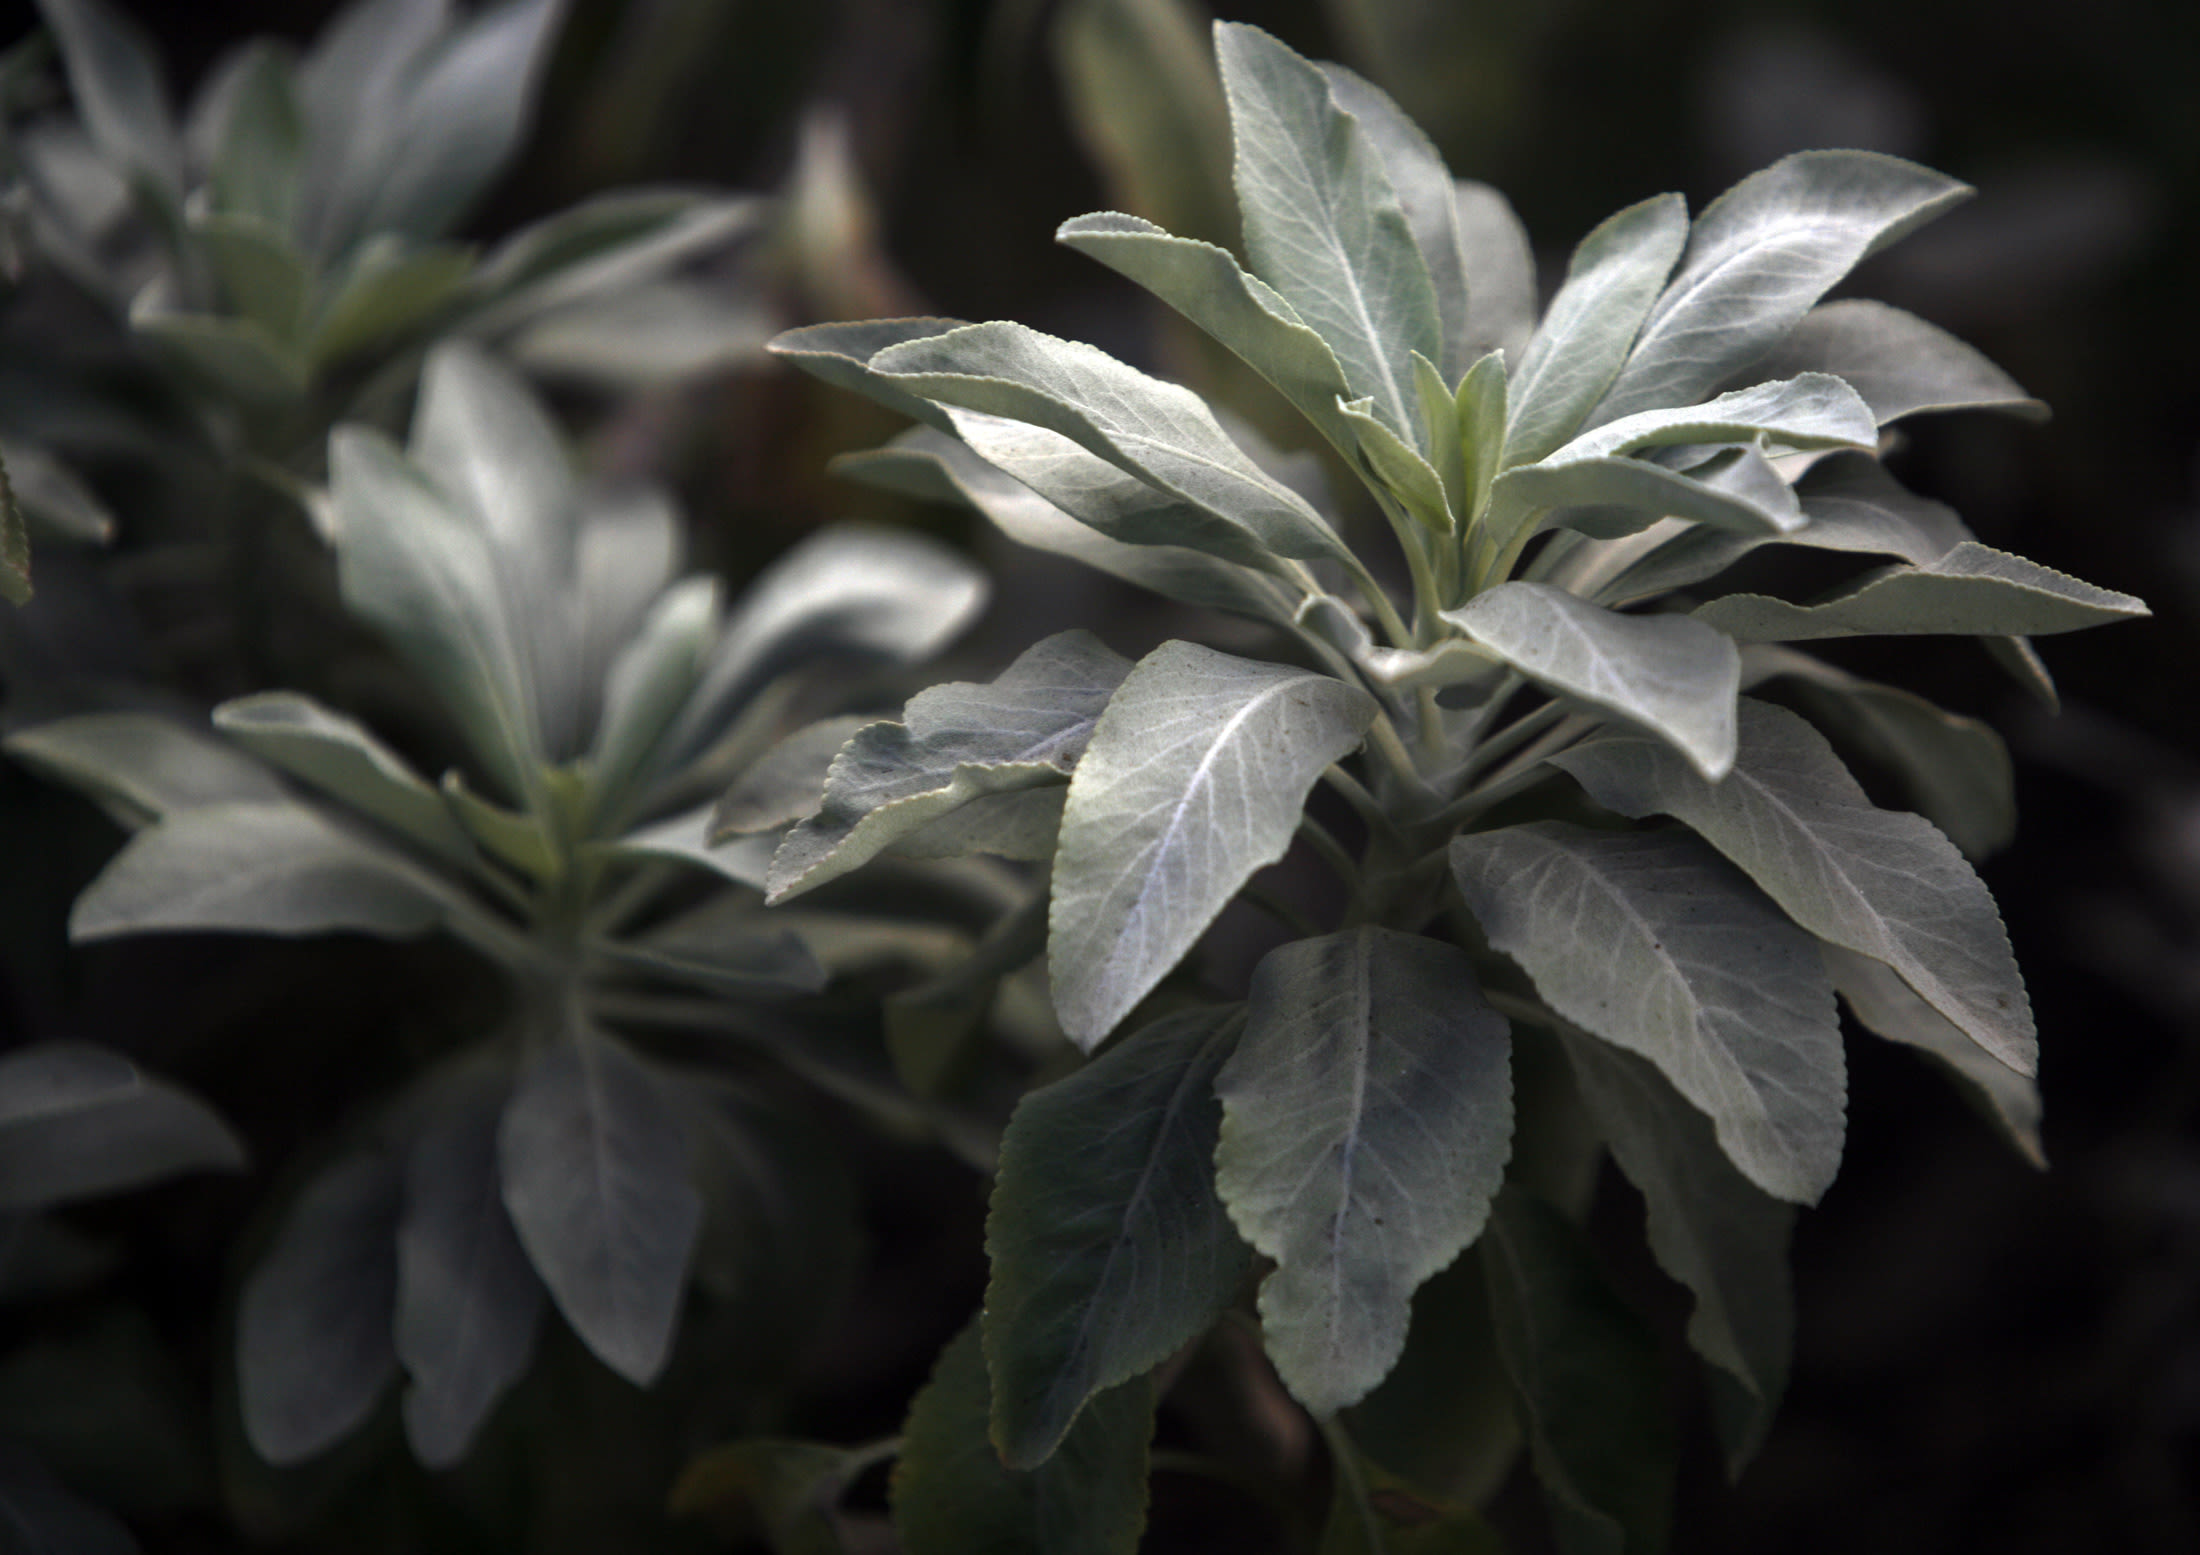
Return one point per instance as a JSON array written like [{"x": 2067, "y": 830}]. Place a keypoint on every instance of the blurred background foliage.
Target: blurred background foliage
[{"x": 1988, "y": 1358}]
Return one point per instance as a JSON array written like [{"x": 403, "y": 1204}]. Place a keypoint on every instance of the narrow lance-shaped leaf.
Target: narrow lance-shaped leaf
[
  {"x": 1110, "y": 1250},
  {"x": 1367, "y": 1119},
  {"x": 1578, "y": 349},
  {"x": 260, "y": 154},
  {"x": 841, "y": 355},
  {"x": 955, "y": 743},
  {"x": 1160, "y": 432},
  {"x": 314, "y": 1350},
  {"x": 1500, "y": 269},
  {"x": 648, "y": 685},
  {"x": 1710, "y": 1228},
  {"x": 1654, "y": 943},
  {"x": 1898, "y": 362},
  {"x": 1194, "y": 778},
  {"x": 1882, "y": 883},
  {"x": 1971, "y": 591},
  {"x": 951, "y": 1495},
  {"x": 468, "y": 1302},
  {"x": 1323, "y": 223},
  {"x": 1586, "y": 1371},
  {"x": 1758, "y": 257},
  {"x": 1811, "y": 411},
  {"x": 15, "y": 546},
  {"x": 115, "y": 78},
  {"x": 1676, "y": 677},
  {"x": 596, "y": 1179},
  {"x": 78, "y": 1120}
]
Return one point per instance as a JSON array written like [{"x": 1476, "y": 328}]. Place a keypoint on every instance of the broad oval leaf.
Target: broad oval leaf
[
  {"x": 1323, "y": 222},
  {"x": 1882, "y": 883},
  {"x": 314, "y": 1350},
  {"x": 78, "y": 1120},
  {"x": 1110, "y": 1250},
  {"x": 1654, "y": 943},
  {"x": 141, "y": 767},
  {"x": 1674, "y": 676},
  {"x": 1367, "y": 1116},
  {"x": 1898, "y": 362},
  {"x": 1579, "y": 348},
  {"x": 951, "y": 1495},
  {"x": 595, "y": 1169},
  {"x": 278, "y": 868},
  {"x": 1758, "y": 257},
  {"x": 1971, "y": 591},
  {"x": 1194, "y": 778},
  {"x": 468, "y": 1302},
  {"x": 956, "y": 742}
]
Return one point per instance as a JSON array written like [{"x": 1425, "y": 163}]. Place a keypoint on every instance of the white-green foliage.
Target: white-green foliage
[
  {"x": 1566, "y": 496},
  {"x": 597, "y": 702}
]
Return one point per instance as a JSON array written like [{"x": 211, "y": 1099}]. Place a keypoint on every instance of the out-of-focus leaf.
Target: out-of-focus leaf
[
  {"x": 42, "y": 1518},
  {"x": 1898, "y": 362},
  {"x": 53, "y": 497},
  {"x": 352, "y": 88},
  {"x": 651, "y": 334},
  {"x": 1397, "y": 1519},
  {"x": 786, "y": 784},
  {"x": 78, "y": 1120},
  {"x": 115, "y": 78},
  {"x": 779, "y": 1491},
  {"x": 600, "y": 247},
  {"x": 648, "y": 684},
  {"x": 262, "y": 277},
  {"x": 260, "y": 147},
  {"x": 686, "y": 837},
  {"x": 237, "y": 358},
  {"x": 143, "y": 767},
  {"x": 387, "y": 291},
  {"x": 15, "y": 545},
  {"x": 314, "y": 1347}
]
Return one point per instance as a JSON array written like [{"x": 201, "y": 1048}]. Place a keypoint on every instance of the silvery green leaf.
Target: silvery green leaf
[
  {"x": 956, "y": 743},
  {"x": 1022, "y": 823},
  {"x": 926, "y": 463},
  {"x": 468, "y": 1302},
  {"x": 1366, "y": 1121},
  {"x": 115, "y": 80},
  {"x": 646, "y": 335},
  {"x": 1159, "y": 432},
  {"x": 786, "y": 783},
  {"x": 951, "y": 1494},
  {"x": 1479, "y": 412},
  {"x": 427, "y": 574},
  {"x": 841, "y": 355},
  {"x": 1110, "y": 1251},
  {"x": 1208, "y": 286},
  {"x": 1883, "y": 1003},
  {"x": 1709, "y": 1227},
  {"x": 462, "y": 119},
  {"x": 1398, "y": 467},
  {"x": 1585, "y": 1369},
  {"x": 314, "y": 1346},
  {"x": 1579, "y": 348},
  {"x": 1971, "y": 591},
  {"x": 1608, "y": 498},
  {"x": 602, "y": 245},
  {"x": 1956, "y": 770},
  {"x": 1807, "y": 412},
  {"x": 1500, "y": 269},
  {"x": 53, "y": 497},
  {"x": 351, "y": 86},
  {"x": 629, "y": 552},
  {"x": 140, "y": 767},
  {"x": 595, "y": 1167},
  {"x": 686, "y": 837},
  {"x": 1652, "y": 942},
  {"x": 1450, "y": 662},
  {"x": 852, "y": 594},
  {"x": 1883, "y": 883},
  {"x": 1757, "y": 259},
  {"x": 518, "y": 838},
  {"x": 342, "y": 758},
  {"x": 77, "y": 1121},
  {"x": 234, "y": 358},
  {"x": 760, "y": 960},
  {"x": 268, "y": 867},
  {"x": 387, "y": 292},
  {"x": 262, "y": 277},
  {"x": 259, "y": 152},
  {"x": 648, "y": 685},
  {"x": 1194, "y": 779},
  {"x": 1426, "y": 193},
  {"x": 1323, "y": 223},
  {"x": 487, "y": 444},
  {"x": 2025, "y": 667},
  {"x": 1666, "y": 673},
  {"x": 1898, "y": 362}
]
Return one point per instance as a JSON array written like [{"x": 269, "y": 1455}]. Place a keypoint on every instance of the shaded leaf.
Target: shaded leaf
[
  {"x": 1398, "y": 1519},
  {"x": 1500, "y": 269},
  {"x": 759, "y": 958},
  {"x": 15, "y": 546},
  {"x": 600, "y": 246},
  {"x": 77, "y": 1121},
  {"x": 841, "y": 355},
  {"x": 314, "y": 1350},
  {"x": 388, "y": 291},
  {"x": 1607, "y": 498},
  {"x": 952, "y": 1496},
  {"x": 230, "y": 358},
  {"x": 42, "y": 1518},
  {"x": 1674, "y": 676},
  {"x": 786, "y": 784},
  {"x": 1109, "y": 1248},
  {"x": 53, "y": 497},
  {"x": 1194, "y": 778},
  {"x": 596, "y": 1180},
  {"x": 141, "y": 767},
  {"x": 956, "y": 742},
  {"x": 649, "y": 683},
  {"x": 687, "y": 837},
  {"x": 1898, "y": 362},
  {"x": 115, "y": 80},
  {"x": 777, "y": 1490},
  {"x": 1367, "y": 1119},
  {"x": 260, "y": 147},
  {"x": 1882, "y": 883}
]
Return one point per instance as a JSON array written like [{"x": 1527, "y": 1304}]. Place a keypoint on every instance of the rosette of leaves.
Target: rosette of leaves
[
  {"x": 1563, "y": 835},
  {"x": 582, "y": 1155},
  {"x": 284, "y": 248}
]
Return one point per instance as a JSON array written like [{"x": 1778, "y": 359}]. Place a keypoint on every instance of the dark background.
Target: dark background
[{"x": 1989, "y": 1358}]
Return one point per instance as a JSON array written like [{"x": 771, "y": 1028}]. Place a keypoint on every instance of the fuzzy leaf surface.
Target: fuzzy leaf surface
[
  {"x": 1367, "y": 1119},
  {"x": 1500, "y": 265},
  {"x": 77, "y": 1121},
  {"x": 1898, "y": 362},
  {"x": 1194, "y": 778},
  {"x": 1110, "y": 1250},
  {"x": 1882, "y": 883},
  {"x": 1654, "y": 943},
  {"x": 1674, "y": 676},
  {"x": 1815, "y": 410}
]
